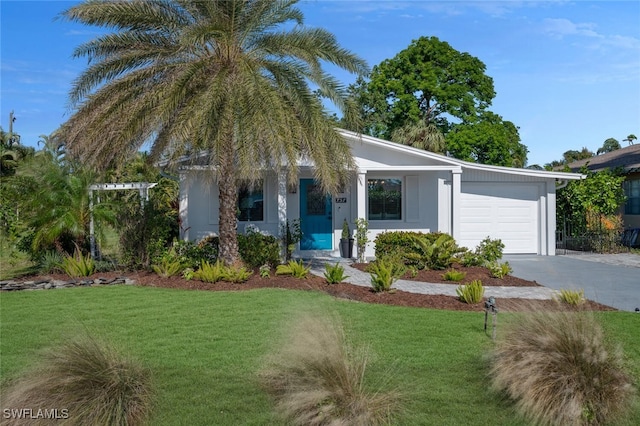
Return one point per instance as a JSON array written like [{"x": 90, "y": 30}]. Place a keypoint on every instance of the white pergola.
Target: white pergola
[{"x": 142, "y": 187}]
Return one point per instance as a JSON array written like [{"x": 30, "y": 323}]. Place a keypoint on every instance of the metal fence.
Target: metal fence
[{"x": 594, "y": 233}]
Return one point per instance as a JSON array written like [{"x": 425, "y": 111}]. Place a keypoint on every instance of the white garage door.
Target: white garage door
[{"x": 500, "y": 210}]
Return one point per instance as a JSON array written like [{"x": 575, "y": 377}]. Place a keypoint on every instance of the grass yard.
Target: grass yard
[{"x": 205, "y": 348}]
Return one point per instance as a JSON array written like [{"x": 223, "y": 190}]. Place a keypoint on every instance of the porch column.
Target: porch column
[
  {"x": 361, "y": 195},
  {"x": 184, "y": 207},
  {"x": 282, "y": 205},
  {"x": 455, "y": 204}
]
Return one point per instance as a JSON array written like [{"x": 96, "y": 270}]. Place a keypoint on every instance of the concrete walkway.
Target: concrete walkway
[
  {"x": 363, "y": 279},
  {"x": 613, "y": 280}
]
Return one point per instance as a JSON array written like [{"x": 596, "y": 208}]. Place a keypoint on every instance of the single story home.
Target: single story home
[
  {"x": 627, "y": 161},
  {"x": 396, "y": 187}
]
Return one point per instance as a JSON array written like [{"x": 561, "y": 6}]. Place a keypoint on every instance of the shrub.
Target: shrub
[
  {"x": 571, "y": 297},
  {"x": 168, "y": 265},
  {"x": 430, "y": 253},
  {"x": 362, "y": 237},
  {"x": 334, "y": 274},
  {"x": 265, "y": 271},
  {"x": 453, "y": 275},
  {"x": 490, "y": 250},
  {"x": 209, "y": 273},
  {"x": 471, "y": 293},
  {"x": 398, "y": 242},
  {"x": 293, "y": 268},
  {"x": 236, "y": 274},
  {"x": 384, "y": 272},
  {"x": 317, "y": 378},
  {"x": 78, "y": 265},
  {"x": 96, "y": 384},
  {"x": 50, "y": 262},
  {"x": 257, "y": 249},
  {"x": 559, "y": 369},
  {"x": 499, "y": 270}
]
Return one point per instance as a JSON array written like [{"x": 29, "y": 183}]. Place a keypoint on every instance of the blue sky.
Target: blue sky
[{"x": 567, "y": 73}]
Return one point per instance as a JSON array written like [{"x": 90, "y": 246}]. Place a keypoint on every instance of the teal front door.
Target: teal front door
[{"x": 315, "y": 217}]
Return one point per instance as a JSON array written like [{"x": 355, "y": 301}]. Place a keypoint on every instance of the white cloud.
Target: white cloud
[{"x": 564, "y": 27}]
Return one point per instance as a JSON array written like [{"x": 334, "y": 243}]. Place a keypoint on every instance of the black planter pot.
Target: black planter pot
[{"x": 346, "y": 248}]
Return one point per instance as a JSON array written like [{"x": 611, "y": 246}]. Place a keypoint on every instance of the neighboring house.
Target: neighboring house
[
  {"x": 396, "y": 187},
  {"x": 627, "y": 160}
]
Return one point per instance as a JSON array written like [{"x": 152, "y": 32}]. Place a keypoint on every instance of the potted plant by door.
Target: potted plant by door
[{"x": 346, "y": 242}]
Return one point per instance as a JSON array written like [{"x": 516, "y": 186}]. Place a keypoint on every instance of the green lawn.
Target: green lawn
[{"x": 206, "y": 347}]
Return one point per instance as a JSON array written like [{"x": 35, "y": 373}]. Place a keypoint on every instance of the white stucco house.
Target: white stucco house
[{"x": 396, "y": 187}]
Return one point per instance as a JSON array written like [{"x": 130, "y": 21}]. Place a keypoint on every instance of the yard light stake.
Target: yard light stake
[{"x": 490, "y": 306}]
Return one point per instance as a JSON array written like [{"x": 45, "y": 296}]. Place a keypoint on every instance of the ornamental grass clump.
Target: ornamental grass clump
[
  {"x": 317, "y": 378},
  {"x": 453, "y": 275},
  {"x": 88, "y": 382},
  {"x": 559, "y": 369},
  {"x": 571, "y": 297},
  {"x": 471, "y": 293}
]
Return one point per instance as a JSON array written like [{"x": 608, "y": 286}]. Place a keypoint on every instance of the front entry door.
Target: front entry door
[{"x": 315, "y": 217}]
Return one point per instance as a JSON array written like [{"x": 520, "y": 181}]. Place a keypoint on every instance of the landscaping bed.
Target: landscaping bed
[{"x": 353, "y": 292}]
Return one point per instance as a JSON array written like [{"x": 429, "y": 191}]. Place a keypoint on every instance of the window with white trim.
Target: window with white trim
[{"x": 385, "y": 198}]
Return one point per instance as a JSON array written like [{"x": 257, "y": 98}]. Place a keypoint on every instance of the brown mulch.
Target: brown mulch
[
  {"x": 472, "y": 273},
  {"x": 362, "y": 294}
]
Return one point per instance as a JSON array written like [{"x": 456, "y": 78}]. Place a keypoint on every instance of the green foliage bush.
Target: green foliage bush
[
  {"x": 560, "y": 369},
  {"x": 384, "y": 272},
  {"x": 167, "y": 267},
  {"x": 237, "y": 274},
  {"x": 434, "y": 250},
  {"x": 433, "y": 254},
  {"x": 453, "y": 275},
  {"x": 488, "y": 251},
  {"x": 499, "y": 270},
  {"x": 334, "y": 274},
  {"x": 471, "y": 293},
  {"x": 294, "y": 268},
  {"x": 50, "y": 262},
  {"x": 90, "y": 379},
  {"x": 210, "y": 273},
  {"x": 78, "y": 265},
  {"x": 257, "y": 249}
]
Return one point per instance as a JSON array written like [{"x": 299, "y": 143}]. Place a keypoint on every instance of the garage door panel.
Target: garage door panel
[{"x": 504, "y": 211}]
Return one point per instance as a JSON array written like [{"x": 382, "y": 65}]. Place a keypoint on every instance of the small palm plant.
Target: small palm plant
[
  {"x": 294, "y": 268},
  {"x": 334, "y": 274},
  {"x": 384, "y": 272}
]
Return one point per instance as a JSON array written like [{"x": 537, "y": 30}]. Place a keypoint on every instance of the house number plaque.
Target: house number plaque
[{"x": 341, "y": 199}]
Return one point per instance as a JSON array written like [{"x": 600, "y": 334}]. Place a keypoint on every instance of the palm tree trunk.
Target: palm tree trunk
[{"x": 228, "y": 188}]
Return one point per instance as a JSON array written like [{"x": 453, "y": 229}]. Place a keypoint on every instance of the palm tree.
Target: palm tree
[
  {"x": 56, "y": 203},
  {"x": 630, "y": 139},
  {"x": 228, "y": 80},
  {"x": 422, "y": 134}
]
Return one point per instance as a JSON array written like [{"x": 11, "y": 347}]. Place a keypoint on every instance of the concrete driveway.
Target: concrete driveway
[{"x": 613, "y": 280}]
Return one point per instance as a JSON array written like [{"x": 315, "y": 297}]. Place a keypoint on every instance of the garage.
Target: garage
[{"x": 508, "y": 211}]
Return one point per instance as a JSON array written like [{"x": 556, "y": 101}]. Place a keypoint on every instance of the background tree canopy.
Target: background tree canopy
[{"x": 433, "y": 97}]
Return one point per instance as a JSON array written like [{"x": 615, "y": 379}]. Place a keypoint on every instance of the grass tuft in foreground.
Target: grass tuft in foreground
[
  {"x": 560, "y": 369},
  {"x": 317, "y": 378},
  {"x": 88, "y": 379}
]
